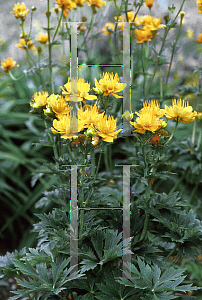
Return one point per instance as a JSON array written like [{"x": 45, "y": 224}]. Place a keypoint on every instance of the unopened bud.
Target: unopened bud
[
  {"x": 35, "y": 106},
  {"x": 199, "y": 115},
  {"x": 48, "y": 112},
  {"x": 56, "y": 10},
  {"x": 39, "y": 49},
  {"x": 23, "y": 35},
  {"x": 182, "y": 14},
  {"x": 90, "y": 132},
  {"x": 48, "y": 13},
  {"x": 33, "y": 8},
  {"x": 166, "y": 18},
  {"x": 99, "y": 91},
  {"x": 164, "y": 124},
  {"x": 83, "y": 19},
  {"x": 127, "y": 116}
]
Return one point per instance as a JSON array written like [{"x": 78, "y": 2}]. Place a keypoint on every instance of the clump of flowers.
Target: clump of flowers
[
  {"x": 149, "y": 27},
  {"x": 20, "y": 11},
  {"x": 109, "y": 84},
  {"x": 8, "y": 64},
  {"x": 149, "y": 117}
]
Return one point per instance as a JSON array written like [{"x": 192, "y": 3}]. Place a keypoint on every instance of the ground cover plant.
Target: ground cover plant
[{"x": 126, "y": 222}]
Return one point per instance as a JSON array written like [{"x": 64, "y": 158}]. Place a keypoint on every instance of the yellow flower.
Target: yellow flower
[
  {"x": 90, "y": 116},
  {"x": 19, "y": 10},
  {"x": 66, "y": 5},
  {"x": 42, "y": 38},
  {"x": 62, "y": 126},
  {"x": 97, "y": 3},
  {"x": 143, "y": 35},
  {"x": 39, "y": 100},
  {"x": 147, "y": 121},
  {"x": 24, "y": 45},
  {"x": 181, "y": 111},
  {"x": 58, "y": 105},
  {"x": 82, "y": 91},
  {"x": 130, "y": 15},
  {"x": 107, "y": 27},
  {"x": 199, "y": 38},
  {"x": 153, "y": 107},
  {"x": 149, "y": 3},
  {"x": 199, "y": 3},
  {"x": 105, "y": 128},
  {"x": 8, "y": 64},
  {"x": 80, "y": 2},
  {"x": 189, "y": 33},
  {"x": 109, "y": 84}
]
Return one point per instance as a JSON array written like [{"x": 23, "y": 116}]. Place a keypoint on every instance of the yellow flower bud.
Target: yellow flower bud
[
  {"x": 182, "y": 14},
  {"x": 90, "y": 132},
  {"x": 127, "y": 116},
  {"x": 164, "y": 124},
  {"x": 48, "y": 112}
]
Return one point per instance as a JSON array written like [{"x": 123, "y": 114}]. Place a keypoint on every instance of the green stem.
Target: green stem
[
  {"x": 92, "y": 154},
  {"x": 170, "y": 138},
  {"x": 51, "y": 140},
  {"x": 173, "y": 50},
  {"x": 195, "y": 189},
  {"x": 13, "y": 77},
  {"x": 30, "y": 25},
  {"x": 56, "y": 31},
  {"x": 70, "y": 153},
  {"x": 172, "y": 262},
  {"x": 171, "y": 253},
  {"x": 146, "y": 223},
  {"x": 199, "y": 140},
  {"x": 167, "y": 29},
  {"x": 106, "y": 159},
  {"x": 161, "y": 84},
  {"x": 178, "y": 182},
  {"x": 59, "y": 296},
  {"x": 126, "y": 8},
  {"x": 49, "y": 48},
  {"x": 97, "y": 169},
  {"x": 81, "y": 198},
  {"x": 72, "y": 296}
]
